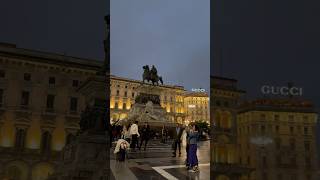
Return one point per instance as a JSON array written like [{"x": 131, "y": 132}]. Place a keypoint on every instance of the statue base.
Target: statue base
[{"x": 87, "y": 158}]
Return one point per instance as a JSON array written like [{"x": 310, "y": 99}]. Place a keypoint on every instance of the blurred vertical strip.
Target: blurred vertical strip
[{"x": 106, "y": 44}]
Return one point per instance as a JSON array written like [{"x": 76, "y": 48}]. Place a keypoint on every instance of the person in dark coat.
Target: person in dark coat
[
  {"x": 177, "y": 134},
  {"x": 145, "y": 135},
  {"x": 187, "y": 145},
  {"x": 164, "y": 134}
]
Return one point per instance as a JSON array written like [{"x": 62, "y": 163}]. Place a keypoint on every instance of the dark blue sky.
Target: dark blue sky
[
  {"x": 74, "y": 27},
  {"x": 268, "y": 42},
  {"x": 172, "y": 35}
]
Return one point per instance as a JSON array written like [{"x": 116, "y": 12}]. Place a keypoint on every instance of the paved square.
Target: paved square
[{"x": 162, "y": 168}]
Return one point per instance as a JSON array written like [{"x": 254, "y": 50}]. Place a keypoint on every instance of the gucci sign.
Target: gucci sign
[{"x": 284, "y": 91}]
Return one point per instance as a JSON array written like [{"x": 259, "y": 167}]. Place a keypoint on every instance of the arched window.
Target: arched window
[
  {"x": 20, "y": 138},
  {"x": 45, "y": 142},
  {"x": 70, "y": 138}
]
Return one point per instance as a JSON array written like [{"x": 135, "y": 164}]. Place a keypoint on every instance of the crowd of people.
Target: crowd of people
[{"x": 128, "y": 136}]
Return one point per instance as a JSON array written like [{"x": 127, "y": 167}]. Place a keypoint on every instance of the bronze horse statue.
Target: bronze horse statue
[{"x": 151, "y": 75}]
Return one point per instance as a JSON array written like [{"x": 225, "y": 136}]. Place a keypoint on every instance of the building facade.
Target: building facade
[
  {"x": 225, "y": 163},
  {"x": 174, "y": 99},
  {"x": 265, "y": 139},
  {"x": 277, "y": 137},
  {"x": 197, "y": 107},
  {"x": 39, "y": 109}
]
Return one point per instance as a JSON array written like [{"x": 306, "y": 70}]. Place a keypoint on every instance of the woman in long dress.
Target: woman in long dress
[{"x": 193, "y": 136}]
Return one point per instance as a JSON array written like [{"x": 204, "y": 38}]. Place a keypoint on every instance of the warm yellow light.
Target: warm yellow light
[
  {"x": 58, "y": 146},
  {"x": 7, "y": 134},
  {"x": 33, "y": 135},
  {"x": 123, "y": 116},
  {"x": 33, "y": 144},
  {"x": 168, "y": 108},
  {"x": 58, "y": 138}
]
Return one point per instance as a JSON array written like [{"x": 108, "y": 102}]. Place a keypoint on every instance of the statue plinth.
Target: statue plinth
[
  {"x": 148, "y": 88},
  {"x": 87, "y": 157},
  {"x": 147, "y": 107}
]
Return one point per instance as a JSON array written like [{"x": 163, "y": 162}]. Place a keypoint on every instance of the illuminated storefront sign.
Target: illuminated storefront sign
[
  {"x": 284, "y": 91},
  {"x": 198, "y": 90},
  {"x": 191, "y": 106}
]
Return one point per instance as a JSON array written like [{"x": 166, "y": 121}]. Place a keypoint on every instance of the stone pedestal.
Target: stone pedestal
[
  {"x": 87, "y": 158},
  {"x": 147, "y": 109}
]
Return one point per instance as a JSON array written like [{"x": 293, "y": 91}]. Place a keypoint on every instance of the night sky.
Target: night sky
[
  {"x": 268, "y": 42},
  {"x": 73, "y": 27},
  {"x": 172, "y": 35}
]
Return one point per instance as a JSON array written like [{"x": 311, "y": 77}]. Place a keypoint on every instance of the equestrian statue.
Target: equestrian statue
[{"x": 151, "y": 75}]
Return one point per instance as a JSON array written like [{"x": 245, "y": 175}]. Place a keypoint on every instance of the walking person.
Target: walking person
[
  {"x": 125, "y": 133},
  {"x": 134, "y": 133},
  {"x": 145, "y": 135},
  {"x": 193, "y": 145},
  {"x": 164, "y": 134},
  {"x": 129, "y": 136},
  {"x": 177, "y": 139},
  {"x": 187, "y": 146},
  {"x": 114, "y": 133}
]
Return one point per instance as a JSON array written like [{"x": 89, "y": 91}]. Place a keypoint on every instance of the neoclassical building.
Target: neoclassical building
[
  {"x": 225, "y": 163},
  {"x": 271, "y": 138},
  {"x": 277, "y": 137},
  {"x": 39, "y": 109},
  {"x": 197, "y": 107}
]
